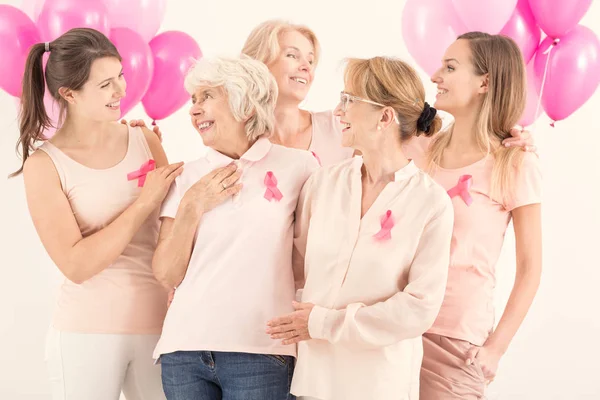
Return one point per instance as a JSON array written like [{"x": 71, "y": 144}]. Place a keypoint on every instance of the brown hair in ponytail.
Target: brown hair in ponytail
[{"x": 69, "y": 65}]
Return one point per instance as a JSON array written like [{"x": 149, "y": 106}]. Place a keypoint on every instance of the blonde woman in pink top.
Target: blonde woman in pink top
[
  {"x": 93, "y": 192},
  {"x": 292, "y": 53},
  {"x": 226, "y": 242},
  {"x": 482, "y": 84},
  {"x": 373, "y": 240}
]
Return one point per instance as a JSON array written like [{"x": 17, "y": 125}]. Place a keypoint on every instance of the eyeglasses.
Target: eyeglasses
[{"x": 347, "y": 98}]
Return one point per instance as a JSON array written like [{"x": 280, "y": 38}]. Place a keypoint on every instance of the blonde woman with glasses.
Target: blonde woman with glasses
[{"x": 373, "y": 239}]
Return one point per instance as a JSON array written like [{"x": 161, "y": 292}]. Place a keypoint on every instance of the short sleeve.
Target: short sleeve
[
  {"x": 528, "y": 183},
  {"x": 171, "y": 202}
]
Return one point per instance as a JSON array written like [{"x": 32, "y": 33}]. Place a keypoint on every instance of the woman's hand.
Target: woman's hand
[
  {"x": 214, "y": 188},
  {"x": 292, "y": 328}
]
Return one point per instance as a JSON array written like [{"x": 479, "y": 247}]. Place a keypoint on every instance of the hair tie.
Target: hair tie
[
  {"x": 47, "y": 46},
  {"x": 426, "y": 119}
]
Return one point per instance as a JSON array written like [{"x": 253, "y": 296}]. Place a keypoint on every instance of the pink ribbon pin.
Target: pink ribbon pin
[
  {"x": 387, "y": 223},
  {"x": 462, "y": 189},
  {"x": 141, "y": 173},
  {"x": 272, "y": 193},
  {"x": 317, "y": 157}
]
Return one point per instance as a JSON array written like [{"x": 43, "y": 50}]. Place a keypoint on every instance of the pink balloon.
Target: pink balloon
[
  {"x": 128, "y": 14},
  {"x": 138, "y": 65},
  {"x": 174, "y": 53},
  {"x": 556, "y": 17},
  {"x": 429, "y": 28},
  {"x": 533, "y": 97},
  {"x": 17, "y": 35},
  {"x": 573, "y": 72},
  {"x": 523, "y": 29},
  {"x": 60, "y": 16},
  {"x": 484, "y": 16},
  {"x": 32, "y": 8}
]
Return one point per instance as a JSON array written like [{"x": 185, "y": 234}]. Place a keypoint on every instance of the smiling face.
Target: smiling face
[
  {"x": 212, "y": 117},
  {"x": 459, "y": 88},
  {"x": 293, "y": 68},
  {"x": 359, "y": 120},
  {"x": 99, "y": 98}
]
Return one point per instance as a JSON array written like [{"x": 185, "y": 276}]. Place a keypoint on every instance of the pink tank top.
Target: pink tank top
[{"x": 125, "y": 298}]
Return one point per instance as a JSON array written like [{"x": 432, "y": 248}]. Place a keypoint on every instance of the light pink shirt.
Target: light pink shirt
[
  {"x": 240, "y": 271},
  {"x": 124, "y": 298},
  {"x": 467, "y": 312},
  {"x": 326, "y": 143},
  {"x": 374, "y": 297}
]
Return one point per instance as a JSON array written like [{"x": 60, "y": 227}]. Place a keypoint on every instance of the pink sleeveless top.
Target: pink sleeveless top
[{"x": 125, "y": 298}]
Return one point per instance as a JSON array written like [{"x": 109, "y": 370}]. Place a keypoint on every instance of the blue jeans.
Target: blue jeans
[{"x": 207, "y": 375}]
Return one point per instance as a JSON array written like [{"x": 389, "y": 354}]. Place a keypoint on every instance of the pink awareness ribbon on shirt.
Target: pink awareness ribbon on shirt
[
  {"x": 141, "y": 173},
  {"x": 387, "y": 223},
  {"x": 272, "y": 193},
  {"x": 462, "y": 189},
  {"x": 317, "y": 157}
]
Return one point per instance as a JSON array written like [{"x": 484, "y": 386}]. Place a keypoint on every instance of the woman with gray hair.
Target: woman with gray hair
[{"x": 226, "y": 242}]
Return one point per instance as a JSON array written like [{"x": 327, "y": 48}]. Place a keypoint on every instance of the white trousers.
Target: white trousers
[{"x": 84, "y": 366}]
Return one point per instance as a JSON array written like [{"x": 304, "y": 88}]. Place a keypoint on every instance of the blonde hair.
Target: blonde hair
[
  {"x": 250, "y": 87},
  {"x": 263, "y": 42},
  {"x": 502, "y": 106},
  {"x": 396, "y": 84}
]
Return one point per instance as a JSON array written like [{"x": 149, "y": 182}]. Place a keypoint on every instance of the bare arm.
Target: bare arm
[
  {"x": 79, "y": 258},
  {"x": 528, "y": 233}
]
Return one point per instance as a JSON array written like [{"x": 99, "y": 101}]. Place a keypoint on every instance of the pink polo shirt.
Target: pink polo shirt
[
  {"x": 480, "y": 224},
  {"x": 326, "y": 143},
  {"x": 240, "y": 272}
]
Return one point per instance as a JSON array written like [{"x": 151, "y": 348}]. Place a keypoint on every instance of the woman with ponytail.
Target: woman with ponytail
[{"x": 93, "y": 192}]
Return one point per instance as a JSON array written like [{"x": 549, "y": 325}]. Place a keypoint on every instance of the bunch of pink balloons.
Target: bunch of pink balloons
[
  {"x": 564, "y": 68},
  {"x": 154, "y": 65}
]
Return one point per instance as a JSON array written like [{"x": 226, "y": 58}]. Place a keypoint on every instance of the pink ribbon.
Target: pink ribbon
[
  {"x": 141, "y": 173},
  {"x": 387, "y": 223},
  {"x": 462, "y": 189},
  {"x": 317, "y": 157},
  {"x": 272, "y": 193}
]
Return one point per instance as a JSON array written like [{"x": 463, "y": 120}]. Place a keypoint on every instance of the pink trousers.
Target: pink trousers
[{"x": 444, "y": 373}]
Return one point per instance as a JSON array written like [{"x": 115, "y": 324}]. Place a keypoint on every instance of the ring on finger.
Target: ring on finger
[{"x": 224, "y": 186}]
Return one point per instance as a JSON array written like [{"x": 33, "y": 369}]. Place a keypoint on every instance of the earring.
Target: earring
[{"x": 378, "y": 127}]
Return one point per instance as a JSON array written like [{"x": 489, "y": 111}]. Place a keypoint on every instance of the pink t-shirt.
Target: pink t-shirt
[
  {"x": 240, "y": 271},
  {"x": 326, "y": 143},
  {"x": 480, "y": 224}
]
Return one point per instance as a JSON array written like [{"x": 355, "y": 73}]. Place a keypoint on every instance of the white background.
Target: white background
[{"x": 555, "y": 354}]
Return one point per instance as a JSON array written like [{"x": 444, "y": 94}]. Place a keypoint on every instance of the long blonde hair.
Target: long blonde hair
[
  {"x": 263, "y": 42},
  {"x": 396, "y": 84},
  {"x": 501, "y": 108}
]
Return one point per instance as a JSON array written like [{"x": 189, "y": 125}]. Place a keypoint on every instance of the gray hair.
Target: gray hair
[{"x": 251, "y": 89}]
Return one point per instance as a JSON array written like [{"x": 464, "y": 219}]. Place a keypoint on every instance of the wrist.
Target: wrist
[
  {"x": 192, "y": 207},
  {"x": 144, "y": 205},
  {"x": 493, "y": 345}
]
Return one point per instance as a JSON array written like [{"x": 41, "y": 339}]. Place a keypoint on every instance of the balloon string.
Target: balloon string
[{"x": 539, "y": 102}]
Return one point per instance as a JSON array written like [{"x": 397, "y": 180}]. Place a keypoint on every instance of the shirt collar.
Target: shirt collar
[
  {"x": 403, "y": 173},
  {"x": 255, "y": 153}
]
